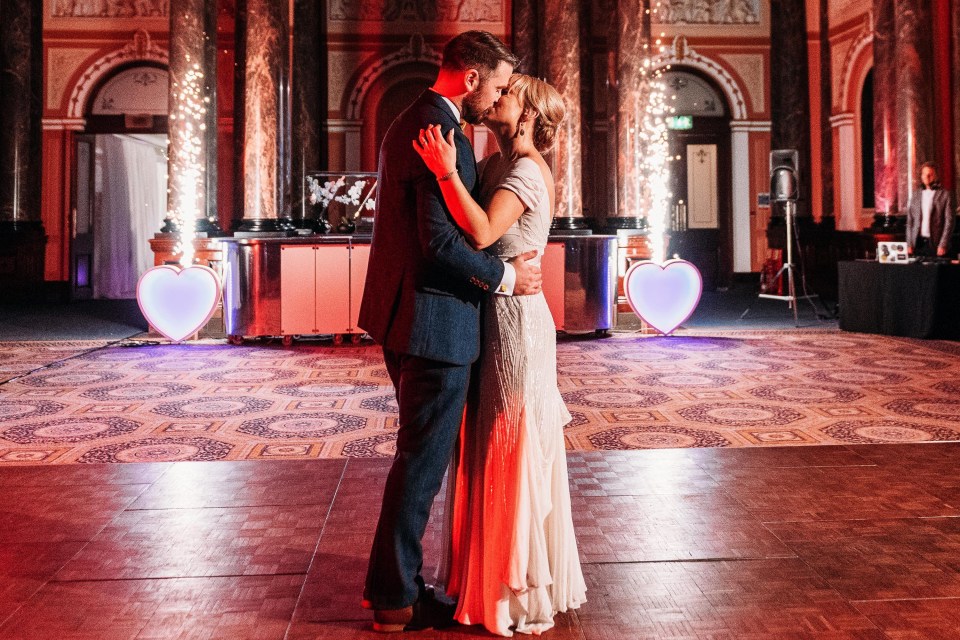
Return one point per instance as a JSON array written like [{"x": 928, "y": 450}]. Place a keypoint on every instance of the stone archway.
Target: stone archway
[
  {"x": 140, "y": 49},
  {"x": 848, "y": 124},
  {"x": 128, "y": 82},
  {"x": 682, "y": 55},
  {"x": 363, "y": 107}
]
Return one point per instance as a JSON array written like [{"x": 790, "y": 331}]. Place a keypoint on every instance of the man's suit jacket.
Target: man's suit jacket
[
  {"x": 941, "y": 219},
  {"x": 424, "y": 282}
]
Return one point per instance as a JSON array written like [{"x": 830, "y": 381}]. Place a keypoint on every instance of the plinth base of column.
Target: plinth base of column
[
  {"x": 625, "y": 222},
  {"x": 556, "y": 233},
  {"x": 209, "y": 228},
  {"x": 568, "y": 224},
  {"x": 261, "y": 225},
  {"x": 22, "y": 246}
]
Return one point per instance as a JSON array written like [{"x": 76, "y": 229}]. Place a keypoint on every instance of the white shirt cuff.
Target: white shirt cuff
[{"x": 509, "y": 280}]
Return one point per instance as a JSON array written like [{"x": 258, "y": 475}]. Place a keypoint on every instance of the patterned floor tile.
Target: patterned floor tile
[
  {"x": 830, "y": 493},
  {"x": 62, "y": 513},
  {"x": 99, "y": 474},
  {"x": 594, "y": 473},
  {"x": 932, "y": 619},
  {"x": 251, "y": 607},
  {"x": 334, "y": 586},
  {"x": 650, "y": 528},
  {"x": 175, "y": 543},
  {"x": 25, "y": 568},
  {"x": 752, "y": 600},
  {"x": 213, "y": 401},
  {"x": 191, "y": 487},
  {"x": 880, "y": 559},
  {"x": 567, "y": 628},
  {"x": 778, "y": 457}
]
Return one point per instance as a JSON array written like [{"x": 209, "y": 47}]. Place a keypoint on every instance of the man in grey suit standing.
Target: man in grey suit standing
[
  {"x": 930, "y": 216},
  {"x": 421, "y": 303}
]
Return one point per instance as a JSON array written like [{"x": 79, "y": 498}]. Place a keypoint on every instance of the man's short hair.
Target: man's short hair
[
  {"x": 932, "y": 165},
  {"x": 480, "y": 50}
]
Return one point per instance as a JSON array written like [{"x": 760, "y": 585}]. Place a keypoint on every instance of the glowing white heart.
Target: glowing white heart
[
  {"x": 178, "y": 302},
  {"x": 664, "y": 296}
]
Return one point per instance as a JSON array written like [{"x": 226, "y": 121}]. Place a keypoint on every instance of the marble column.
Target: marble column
[
  {"x": 560, "y": 59},
  {"x": 944, "y": 97},
  {"x": 848, "y": 218},
  {"x": 309, "y": 107},
  {"x": 265, "y": 54},
  {"x": 20, "y": 113},
  {"x": 525, "y": 37},
  {"x": 827, "y": 211},
  {"x": 913, "y": 59},
  {"x": 632, "y": 39},
  {"x": 884, "y": 109},
  {"x": 192, "y": 150},
  {"x": 955, "y": 76},
  {"x": 22, "y": 236},
  {"x": 789, "y": 89}
]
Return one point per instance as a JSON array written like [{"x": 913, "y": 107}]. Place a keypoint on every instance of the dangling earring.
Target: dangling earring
[{"x": 520, "y": 132}]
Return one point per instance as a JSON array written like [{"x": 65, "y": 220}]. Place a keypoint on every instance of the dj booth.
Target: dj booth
[{"x": 916, "y": 300}]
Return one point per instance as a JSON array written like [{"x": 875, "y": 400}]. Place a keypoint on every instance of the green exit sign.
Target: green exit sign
[{"x": 680, "y": 122}]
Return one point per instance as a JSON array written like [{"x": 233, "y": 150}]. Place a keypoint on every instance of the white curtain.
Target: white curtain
[{"x": 133, "y": 197}]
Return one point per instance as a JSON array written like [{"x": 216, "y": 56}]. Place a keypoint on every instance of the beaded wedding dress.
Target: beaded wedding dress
[{"x": 514, "y": 561}]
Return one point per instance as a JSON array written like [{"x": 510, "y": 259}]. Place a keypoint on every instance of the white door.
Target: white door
[{"x": 702, "y": 206}]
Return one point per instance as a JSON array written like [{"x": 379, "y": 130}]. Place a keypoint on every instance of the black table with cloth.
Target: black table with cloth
[{"x": 917, "y": 300}]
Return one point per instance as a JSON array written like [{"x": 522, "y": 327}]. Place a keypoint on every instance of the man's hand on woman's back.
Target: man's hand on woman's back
[{"x": 529, "y": 278}]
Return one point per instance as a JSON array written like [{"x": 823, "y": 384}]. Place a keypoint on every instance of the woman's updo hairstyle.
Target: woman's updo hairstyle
[{"x": 546, "y": 101}]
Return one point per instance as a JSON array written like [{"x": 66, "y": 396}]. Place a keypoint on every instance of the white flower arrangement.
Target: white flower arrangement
[{"x": 323, "y": 189}]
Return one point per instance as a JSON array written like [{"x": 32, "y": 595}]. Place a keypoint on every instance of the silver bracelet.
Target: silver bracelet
[{"x": 446, "y": 176}]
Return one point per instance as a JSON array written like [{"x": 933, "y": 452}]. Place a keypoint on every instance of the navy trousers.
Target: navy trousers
[{"x": 431, "y": 397}]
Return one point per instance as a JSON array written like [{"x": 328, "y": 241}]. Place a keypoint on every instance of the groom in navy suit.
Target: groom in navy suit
[{"x": 422, "y": 300}]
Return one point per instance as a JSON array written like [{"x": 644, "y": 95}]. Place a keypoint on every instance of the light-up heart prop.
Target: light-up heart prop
[
  {"x": 178, "y": 302},
  {"x": 664, "y": 296}
]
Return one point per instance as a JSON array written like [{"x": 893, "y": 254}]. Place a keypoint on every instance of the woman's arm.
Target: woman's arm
[{"x": 482, "y": 228}]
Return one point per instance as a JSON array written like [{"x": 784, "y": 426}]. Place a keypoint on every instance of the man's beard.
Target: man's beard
[{"x": 473, "y": 108}]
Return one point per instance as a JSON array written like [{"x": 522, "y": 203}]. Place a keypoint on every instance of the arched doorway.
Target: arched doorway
[
  {"x": 700, "y": 210},
  {"x": 119, "y": 191},
  {"x": 395, "y": 99},
  {"x": 388, "y": 95}
]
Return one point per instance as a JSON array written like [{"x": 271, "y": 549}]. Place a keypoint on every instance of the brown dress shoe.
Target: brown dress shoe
[
  {"x": 428, "y": 612},
  {"x": 392, "y": 620}
]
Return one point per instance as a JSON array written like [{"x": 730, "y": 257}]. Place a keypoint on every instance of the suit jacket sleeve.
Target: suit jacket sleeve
[
  {"x": 443, "y": 243},
  {"x": 913, "y": 220},
  {"x": 949, "y": 217}
]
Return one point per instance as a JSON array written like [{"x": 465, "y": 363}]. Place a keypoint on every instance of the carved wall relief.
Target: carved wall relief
[
  {"x": 417, "y": 10},
  {"x": 709, "y": 12},
  {"x": 110, "y": 8}
]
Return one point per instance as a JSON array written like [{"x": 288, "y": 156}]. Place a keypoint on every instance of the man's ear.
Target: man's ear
[{"x": 471, "y": 79}]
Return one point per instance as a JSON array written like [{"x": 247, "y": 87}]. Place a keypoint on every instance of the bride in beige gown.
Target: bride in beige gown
[{"x": 514, "y": 561}]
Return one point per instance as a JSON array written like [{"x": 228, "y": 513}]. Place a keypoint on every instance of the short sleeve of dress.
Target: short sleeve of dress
[{"x": 524, "y": 179}]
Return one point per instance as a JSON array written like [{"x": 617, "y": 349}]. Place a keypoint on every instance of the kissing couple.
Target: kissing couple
[{"x": 453, "y": 295}]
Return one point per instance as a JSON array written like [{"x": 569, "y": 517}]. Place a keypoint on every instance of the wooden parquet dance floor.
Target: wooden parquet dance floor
[{"x": 847, "y": 541}]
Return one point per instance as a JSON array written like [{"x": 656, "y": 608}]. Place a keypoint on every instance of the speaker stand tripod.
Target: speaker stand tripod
[{"x": 787, "y": 270}]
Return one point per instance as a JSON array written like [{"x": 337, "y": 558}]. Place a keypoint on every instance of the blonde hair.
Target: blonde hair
[{"x": 541, "y": 97}]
